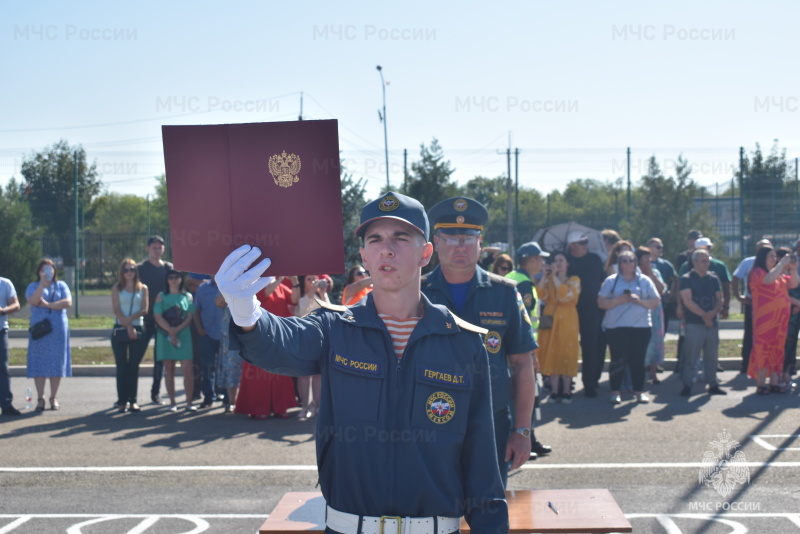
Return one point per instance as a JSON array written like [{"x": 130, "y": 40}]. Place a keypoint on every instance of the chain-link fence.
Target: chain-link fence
[{"x": 770, "y": 209}]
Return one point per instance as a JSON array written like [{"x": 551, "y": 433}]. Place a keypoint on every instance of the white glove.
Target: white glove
[{"x": 239, "y": 287}]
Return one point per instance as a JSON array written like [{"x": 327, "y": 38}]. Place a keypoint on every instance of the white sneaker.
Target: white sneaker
[{"x": 642, "y": 398}]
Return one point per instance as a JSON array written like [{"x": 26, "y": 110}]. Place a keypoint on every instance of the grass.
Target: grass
[
  {"x": 85, "y": 321},
  {"x": 80, "y": 356},
  {"x": 728, "y": 348}
]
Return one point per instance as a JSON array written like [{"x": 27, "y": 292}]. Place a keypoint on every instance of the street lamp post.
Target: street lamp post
[{"x": 383, "y": 119}]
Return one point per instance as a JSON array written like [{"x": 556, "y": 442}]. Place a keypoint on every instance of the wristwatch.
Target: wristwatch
[{"x": 525, "y": 432}]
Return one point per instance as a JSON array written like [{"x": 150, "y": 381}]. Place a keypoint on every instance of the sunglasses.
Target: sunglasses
[
  {"x": 659, "y": 247},
  {"x": 584, "y": 243},
  {"x": 505, "y": 268},
  {"x": 174, "y": 277},
  {"x": 455, "y": 241},
  {"x": 360, "y": 273},
  {"x": 129, "y": 269}
]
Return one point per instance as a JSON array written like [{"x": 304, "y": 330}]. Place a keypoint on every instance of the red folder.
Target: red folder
[{"x": 273, "y": 185}]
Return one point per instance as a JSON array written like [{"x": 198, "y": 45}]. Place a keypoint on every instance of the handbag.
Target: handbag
[
  {"x": 120, "y": 333},
  {"x": 173, "y": 315},
  {"x": 42, "y": 328},
  {"x": 546, "y": 321}
]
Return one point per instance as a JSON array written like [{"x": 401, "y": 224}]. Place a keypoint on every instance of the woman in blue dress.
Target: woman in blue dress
[
  {"x": 173, "y": 313},
  {"x": 49, "y": 356}
]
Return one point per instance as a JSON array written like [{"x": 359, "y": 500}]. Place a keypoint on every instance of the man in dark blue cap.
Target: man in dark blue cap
[
  {"x": 403, "y": 424},
  {"x": 494, "y": 303}
]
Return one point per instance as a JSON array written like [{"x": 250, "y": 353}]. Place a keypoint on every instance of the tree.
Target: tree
[
  {"x": 21, "y": 248},
  {"x": 664, "y": 209},
  {"x": 589, "y": 202},
  {"x": 49, "y": 190},
  {"x": 429, "y": 181},
  {"x": 352, "y": 202},
  {"x": 492, "y": 193},
  {"x": 770, "y": 202},
  {"x": 159, "y": 209},
  {"x": 487, "y": 191},
  {"x": 119, "y": 214}
]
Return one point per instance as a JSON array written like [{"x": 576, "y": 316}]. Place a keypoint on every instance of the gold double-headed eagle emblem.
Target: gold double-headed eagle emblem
[{"x": 284, "y": 168}]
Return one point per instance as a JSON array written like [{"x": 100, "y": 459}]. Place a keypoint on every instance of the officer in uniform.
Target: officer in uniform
[
  {"x": 493, "y": 302},
  {"x": 530, "y": 258},
  {"x": 401, "y": 432}
]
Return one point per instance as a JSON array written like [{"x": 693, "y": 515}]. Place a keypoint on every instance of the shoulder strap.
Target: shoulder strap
[
  {"x": 464, "y": 325},
  {"x": 330, "y": 306}
]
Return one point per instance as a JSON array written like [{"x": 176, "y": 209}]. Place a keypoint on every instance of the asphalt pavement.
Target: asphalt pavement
[{"x": 87, "y": 468}]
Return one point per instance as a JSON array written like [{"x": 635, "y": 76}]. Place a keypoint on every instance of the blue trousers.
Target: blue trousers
[
  {"x": 158, "y": 366},
  {"x": 208, "y": 349},
  {"x": 5, "y": 379}
]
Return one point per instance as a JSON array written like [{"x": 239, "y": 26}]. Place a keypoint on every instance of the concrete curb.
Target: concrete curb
[
  {"x": 74, "y": 332},
  {"x": 106, "y": 332},
  {"x": 17, "y": 371}
]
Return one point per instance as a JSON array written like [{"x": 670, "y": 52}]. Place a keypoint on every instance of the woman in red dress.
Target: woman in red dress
[
  {"x": 262, "y": 393},
  {"x": 769, "y": 283}
]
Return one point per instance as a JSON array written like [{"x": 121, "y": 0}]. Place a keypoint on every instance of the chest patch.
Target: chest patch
[
  {"x": 357, "y": 365},
  {"x": 446, "y": 378},
  {"x": 493, "y": 342},
  {"x": 440, "y": 407}
]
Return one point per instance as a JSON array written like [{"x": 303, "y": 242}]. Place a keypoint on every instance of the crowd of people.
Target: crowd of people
[
  {"x": 452, "y": 353},
  {"x": 578, "y": 306},
  {"x": 623, "y": 305},
  {"x": 190, "y": 321}
]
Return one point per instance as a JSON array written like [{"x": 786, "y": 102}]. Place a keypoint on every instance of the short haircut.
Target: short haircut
[{"x": 698, "y": 251}]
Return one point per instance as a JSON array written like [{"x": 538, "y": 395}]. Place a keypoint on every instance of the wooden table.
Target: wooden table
[{"x": 582, "y": 510}]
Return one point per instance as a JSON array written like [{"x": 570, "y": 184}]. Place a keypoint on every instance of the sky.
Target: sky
[{"x": 571, "y": 84}]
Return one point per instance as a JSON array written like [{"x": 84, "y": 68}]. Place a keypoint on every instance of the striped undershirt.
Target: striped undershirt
[{"x": 400, "y": 330}]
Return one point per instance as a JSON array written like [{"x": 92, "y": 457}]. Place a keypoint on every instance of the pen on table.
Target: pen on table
[{"x": 552, "y": 507}]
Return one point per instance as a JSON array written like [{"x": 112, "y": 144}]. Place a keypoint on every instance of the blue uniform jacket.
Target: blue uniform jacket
[
  {"x": 493, "y": 303},
  {"x": 406, "y": 437}
]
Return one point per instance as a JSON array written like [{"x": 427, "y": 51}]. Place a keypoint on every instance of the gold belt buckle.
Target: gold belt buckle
[{"x": 399, "y": 523}]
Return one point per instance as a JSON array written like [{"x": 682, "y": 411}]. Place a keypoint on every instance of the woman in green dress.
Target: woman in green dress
[{"x": 173, "y": 313}]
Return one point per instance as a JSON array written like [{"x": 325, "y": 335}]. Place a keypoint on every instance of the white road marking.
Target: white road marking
[
  {"x": 637, "y": 465},
  {"x": 189, "y": 468},
  {"x": 666, "y": 521},
  {"x": 14, "y": 524},
  {"x": 26, "y": 517},
  {"x": 761, "y": 439}
]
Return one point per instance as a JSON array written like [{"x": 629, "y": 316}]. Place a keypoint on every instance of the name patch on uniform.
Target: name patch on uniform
[
  {"x": 491, "y": 314},
  {"x": 444, "y": 377},
  {"x": 353, "y": 364},
  {"x": 440, "y": 407},
  {"x": 493, "y": 342}
]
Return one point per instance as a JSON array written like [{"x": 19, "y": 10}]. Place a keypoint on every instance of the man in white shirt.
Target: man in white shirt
[{"x": 8, "y": 304}]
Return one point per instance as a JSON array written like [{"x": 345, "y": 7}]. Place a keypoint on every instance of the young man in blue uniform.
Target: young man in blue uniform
[
  {"x": 493, "y": 302},
  {"x": 403, "y": 430}
]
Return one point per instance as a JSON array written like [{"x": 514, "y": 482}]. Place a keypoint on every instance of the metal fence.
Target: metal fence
[{"x": 772, "y": 213}]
